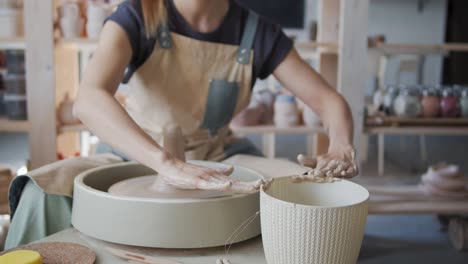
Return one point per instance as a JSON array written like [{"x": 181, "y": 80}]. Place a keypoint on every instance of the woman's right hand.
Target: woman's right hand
[{"x": 189, "y": 176}]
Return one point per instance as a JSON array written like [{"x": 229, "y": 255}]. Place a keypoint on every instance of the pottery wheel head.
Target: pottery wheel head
[{"x": 153, "y": 187}]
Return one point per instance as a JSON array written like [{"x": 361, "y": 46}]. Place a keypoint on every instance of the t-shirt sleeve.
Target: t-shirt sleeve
[
  {"x": 271, "y": 46},
  {"x": 129, "y": 16}
]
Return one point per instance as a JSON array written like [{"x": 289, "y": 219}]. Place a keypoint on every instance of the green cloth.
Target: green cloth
[{"x": 38, "y": 215}]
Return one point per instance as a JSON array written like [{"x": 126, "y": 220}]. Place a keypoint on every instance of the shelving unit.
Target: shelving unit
[
  {"x": 13, "y": 126},
  {"x": 383, "y": 126},
  {"x": 397, "y": 48}
]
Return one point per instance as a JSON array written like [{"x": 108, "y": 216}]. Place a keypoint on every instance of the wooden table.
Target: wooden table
[{"x": 247, "y": 252}]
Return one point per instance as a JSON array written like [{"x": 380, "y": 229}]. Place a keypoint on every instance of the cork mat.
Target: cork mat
[{"x": 61, "y": 253}]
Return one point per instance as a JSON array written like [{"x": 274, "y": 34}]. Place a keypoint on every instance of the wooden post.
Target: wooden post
[
  {"x": 40, "y": 79},
  {"x": 328, "y": 28},
  {"x": 67, "y": 80},
  {"x": 353, "y": 52}
]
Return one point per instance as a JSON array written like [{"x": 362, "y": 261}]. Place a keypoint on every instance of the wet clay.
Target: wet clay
[{"x": 153, "y": 187}]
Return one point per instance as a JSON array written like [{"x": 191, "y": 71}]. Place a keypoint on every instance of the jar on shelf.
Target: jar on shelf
[
  {"x": 11, "y": 19},
  {"x": 450, "y": 103},
  {"x": 65, "y": 111},
  {"x": 96, "y": 14},
  {"x": 408, "y": 103},
  {"x": 15, "y": 97},
  {"x": 430, "y": 103},
  {"x": 464, "y": 102},
  {"x": 389, "y": 97},
  {"x": 71, "y": 22},
  {"x": 377, "y": 99},
  {"x": 311, "y": 119},
  {"x": 286, "y": 111},
  {"x": 15, "y": 62}
]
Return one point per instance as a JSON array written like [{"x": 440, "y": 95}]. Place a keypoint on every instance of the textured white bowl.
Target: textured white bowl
[
  {"x": 319, "y": 223},
  {"x": 159, "y": 223}
]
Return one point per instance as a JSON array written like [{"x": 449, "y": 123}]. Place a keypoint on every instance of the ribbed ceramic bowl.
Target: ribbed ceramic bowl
[
  {"x": 159, "y": 223},
  {"x": 319, "y": 223}
]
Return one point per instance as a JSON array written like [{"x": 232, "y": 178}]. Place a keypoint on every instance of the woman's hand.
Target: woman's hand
[
  {"x": 189, "y": 176},
  {"x": 339, "y": 162}
]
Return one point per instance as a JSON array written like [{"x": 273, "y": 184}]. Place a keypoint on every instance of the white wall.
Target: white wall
[{"x": 401, "y": 22}]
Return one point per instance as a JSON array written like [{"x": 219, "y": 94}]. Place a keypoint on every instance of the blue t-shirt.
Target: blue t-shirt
[{"x": 271, "y": 45}]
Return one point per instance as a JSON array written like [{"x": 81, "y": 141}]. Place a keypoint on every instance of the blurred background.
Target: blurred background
[{"x": 401, "y": 64}]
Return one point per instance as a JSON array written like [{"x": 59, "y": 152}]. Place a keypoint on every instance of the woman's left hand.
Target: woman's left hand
[{"x": 339, "y": 162}]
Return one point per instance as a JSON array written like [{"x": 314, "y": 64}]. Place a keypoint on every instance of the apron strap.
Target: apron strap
[
  {"x": 164, "y": 36},
  {"x": 250, "y": 30}
]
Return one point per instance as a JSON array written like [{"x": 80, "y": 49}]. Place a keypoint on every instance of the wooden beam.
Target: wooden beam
[
  {"x": 328, "y": 21},
  {"x": 352, "y": 70},
  {"x": 328, "y": 32},
  {"x": 40, "y": 78},
  {"x": 67, "y": 80}
]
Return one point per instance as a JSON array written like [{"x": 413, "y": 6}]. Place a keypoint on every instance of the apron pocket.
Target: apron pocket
[{"x": 221, "y": 104}]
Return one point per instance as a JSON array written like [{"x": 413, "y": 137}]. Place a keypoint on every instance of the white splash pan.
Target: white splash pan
[
  {"x": 320, "y": 223},
  {"x": 160, "y": 223}
]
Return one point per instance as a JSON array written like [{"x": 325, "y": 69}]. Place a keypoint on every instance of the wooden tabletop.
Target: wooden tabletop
[{"x": 246, "y": 252}]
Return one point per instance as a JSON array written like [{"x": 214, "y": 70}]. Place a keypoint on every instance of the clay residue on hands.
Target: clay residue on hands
[{"x": 327, "y": 168}]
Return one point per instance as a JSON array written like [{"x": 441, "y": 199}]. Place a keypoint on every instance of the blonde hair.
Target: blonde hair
[{"x": 154, "y": 13}]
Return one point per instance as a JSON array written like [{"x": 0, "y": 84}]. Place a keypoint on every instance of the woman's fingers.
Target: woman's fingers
[
  {"x": 213, "y": 186},
  {"x": 307, "y": 161},
  {"x": 226, "y": 171},
  {"x": 246, "y": 187}
]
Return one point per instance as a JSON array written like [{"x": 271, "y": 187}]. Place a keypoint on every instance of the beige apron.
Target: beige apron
[{"x": 196, "y": 85}]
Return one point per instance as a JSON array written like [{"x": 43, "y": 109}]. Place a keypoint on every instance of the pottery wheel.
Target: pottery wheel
[
  {"x": 153, "y": 187},
  {"x": 61, "y": 253},
  {"x": 127, "y": 197}
]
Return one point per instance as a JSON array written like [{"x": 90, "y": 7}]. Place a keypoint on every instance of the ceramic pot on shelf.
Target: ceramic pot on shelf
[
  {"x": 464, "y": 103},
  {"x": 391, "y": 92},
  {"x": 286, "y": 111},
  {"x": 11, "y": 21},
  {"x": 377, "y": 99},
  {"x": 71, "y": 23},
  {"x": 450, "y": 105},
  {"x": 407, "y": 104},
  {"x": 430, "y": 103},
  {"x": 65, "y": 112},
  {"x": 311, "y": 119},
  {"x": 96, "y": 14}
]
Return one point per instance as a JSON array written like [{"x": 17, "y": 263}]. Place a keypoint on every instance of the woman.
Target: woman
[{"x": 189, "y": 63}]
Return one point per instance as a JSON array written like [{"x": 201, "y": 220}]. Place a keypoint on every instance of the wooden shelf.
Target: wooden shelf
[
  {"x": 81, "y": 44},
  {"x": 13, "y": 125},
  {"x": 399, "y": 48},
  {"x": 12, "y": 44},
  {"x": 277, "y": 130},
  {"x": 73, "y": 128},
  {"x": 303, "y": 47},
  {"x": 412, "y": 200},
  {"x": 418, "y": 130},
  {"x": 237, "y": 130},
  {"x": 316, "y": 47},
  {"x": 393, "y": 121},
  {"x": 416, "y": 126}
]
